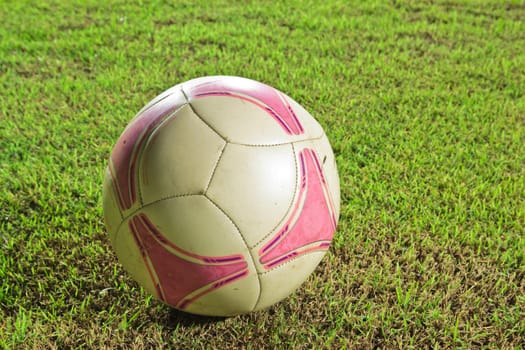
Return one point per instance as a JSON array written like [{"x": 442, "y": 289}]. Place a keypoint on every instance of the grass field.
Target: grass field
[{"x": 424, "y": 103}]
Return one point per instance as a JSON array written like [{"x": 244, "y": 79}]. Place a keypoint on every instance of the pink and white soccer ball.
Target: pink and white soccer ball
[{"x": 221, "y": 196}]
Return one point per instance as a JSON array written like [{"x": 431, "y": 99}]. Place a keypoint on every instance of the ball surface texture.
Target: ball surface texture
[{"x": 221, "y": 196}]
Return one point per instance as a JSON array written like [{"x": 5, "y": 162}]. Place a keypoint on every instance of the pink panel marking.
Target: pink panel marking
[
  {"x": 325, "y": 186},
  {"x": 309, "y": 229},
  {"x": 126, "y": 150},
  {"x": 262, "y": 95},
  {"x": 173, "y": 273}
]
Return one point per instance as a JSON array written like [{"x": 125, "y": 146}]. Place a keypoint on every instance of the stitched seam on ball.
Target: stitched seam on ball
[
  {"x": 146, "y": 143},
  {"x": 157, "y": 201},
  {"x": 240, "y": 143},
  {"x": 152, "y": 203},
  {"x": 283, "y": 219},
  {"x": 276, "y": 144},
  {"x": 215, "y": 168},
  {"x": 201, "y": 118},
  {"x": 296, "y": 179},
  {"x": 139, "y": 161},
  {"x": 324, "y": 252},
  {"x": 215, "y": 131},
  {"x": 245, "y": 244}
]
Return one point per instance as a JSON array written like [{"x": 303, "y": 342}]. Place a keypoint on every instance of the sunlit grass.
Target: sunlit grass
[{"x": 424, "y": 104}]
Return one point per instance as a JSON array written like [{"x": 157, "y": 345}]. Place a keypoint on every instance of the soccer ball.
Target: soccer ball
[{"x": 221, "y": 196}]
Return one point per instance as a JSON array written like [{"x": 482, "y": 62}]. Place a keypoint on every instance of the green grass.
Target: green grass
[{"x": 424, "y": 103}]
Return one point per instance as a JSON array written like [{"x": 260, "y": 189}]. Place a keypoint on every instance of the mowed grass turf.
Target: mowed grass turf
[{"x": 423, "y": 103}]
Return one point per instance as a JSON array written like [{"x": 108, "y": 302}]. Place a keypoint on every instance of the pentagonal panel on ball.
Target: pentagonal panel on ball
[
  {"x": 123, "y": 166},
  {"x": 245, "y": 111},
  {"x": 239, "y": 121},
  {"x": 255, "y": 187},
  {"x": 196, "y": 225},
  {"x": 310, "y": 222},
  {"x": 179, "y": 157},
  {"x": 193, "y": 254}
]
